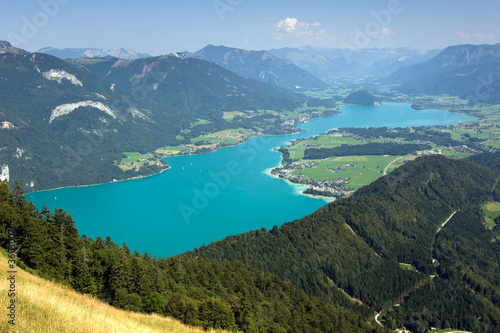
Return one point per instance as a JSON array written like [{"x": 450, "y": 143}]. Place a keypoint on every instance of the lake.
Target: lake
[{"x": 204, "y": 198}]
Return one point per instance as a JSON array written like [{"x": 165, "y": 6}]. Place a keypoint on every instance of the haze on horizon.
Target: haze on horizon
[{"x": 160, "y": 27}]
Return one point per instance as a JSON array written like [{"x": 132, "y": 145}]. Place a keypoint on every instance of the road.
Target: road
[
  {"x": 444, "y": 223},
  {"x": 388, "y": 165},
  {"x": 376, "y": 319},
  {"x": 441, "y": 227}
]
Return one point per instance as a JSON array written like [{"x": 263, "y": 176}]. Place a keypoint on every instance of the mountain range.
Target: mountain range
[
  {"x": 75, "y": 53},
  {"x": 333, "y": 64},
  {"x": 261, "y": 66},
  {"x": 468, "y": 71},
  {"x": 196, "y": 86},
  {"x": 449, "y": 59}
]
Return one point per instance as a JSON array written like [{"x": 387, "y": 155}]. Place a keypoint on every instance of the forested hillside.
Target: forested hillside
[
  {"x": 357, "y": 244},
  {"x": 66, "y": 126},
  {"x": 197, "y": 87},
  {"x": 200, "y": 292}
]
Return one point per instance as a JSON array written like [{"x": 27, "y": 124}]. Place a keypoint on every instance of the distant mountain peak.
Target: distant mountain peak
[
  {"x": 177, "y": 55},
  {"x": 75, "y": 53},
  {"x": 7, "y": 47},
  {"x": 261, "y": 66}
]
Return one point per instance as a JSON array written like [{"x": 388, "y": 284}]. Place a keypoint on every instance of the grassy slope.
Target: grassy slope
[{"x": 44, "y": 306}]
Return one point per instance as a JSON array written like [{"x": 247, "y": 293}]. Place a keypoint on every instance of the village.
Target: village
[{"x": 329, "y": 188}]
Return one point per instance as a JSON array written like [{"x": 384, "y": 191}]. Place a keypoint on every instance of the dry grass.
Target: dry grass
[{"x": 45, "y": 307}]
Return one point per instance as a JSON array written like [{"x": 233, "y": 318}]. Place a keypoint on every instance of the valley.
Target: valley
[
  {"x": 299, "y": 189},
  {"x": 340, "y": 175}
]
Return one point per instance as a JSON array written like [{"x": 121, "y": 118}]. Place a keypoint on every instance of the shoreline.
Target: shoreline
[
  {"x": 296, "y": 188},
  {"x": 178, "y": 155},
  {"x": 110, "y": 182}
]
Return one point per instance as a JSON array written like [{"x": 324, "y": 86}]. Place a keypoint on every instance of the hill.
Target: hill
[
  {"x": 58, "y": 116},
  {"x": 44, "y": 306},
  {"x": 357, "y": 244},
  {"x": 76, "y": 53},
  {"x": 361, "y": 97},
  {"x": 449, "y": 59},
  {"x": 261, "y": 66}
]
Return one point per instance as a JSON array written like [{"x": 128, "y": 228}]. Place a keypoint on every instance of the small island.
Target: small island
[{"x": 361, "y": 97}]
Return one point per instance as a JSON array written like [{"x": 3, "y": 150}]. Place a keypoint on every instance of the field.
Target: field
[
  {"x": 491, "y": 211},
  {"x": 233, "y": 135},
  {"x": 229, "y": 115},
  {"x": 44, "y": 306},
  {"x": 407, "y": 266},
  {"x": 199, "y": 122},
  {"x": 211, "y": 141},
  {"x": 361, "y": 170},
  {"x": 134, "y": 160},
  {"x": 327, "y": 141},
  {"x": 170, "y": 150}
]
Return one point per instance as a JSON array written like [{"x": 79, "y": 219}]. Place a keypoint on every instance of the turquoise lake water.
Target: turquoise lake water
[{"x": 204, "y": 198}]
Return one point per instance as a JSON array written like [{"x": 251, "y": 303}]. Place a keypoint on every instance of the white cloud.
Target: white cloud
[
  {"x": 473, "y": 36},
  {"x": 287, "y": 25},
  {"x": 384, "y": 33},
  {"x": 291, "y": 27}
]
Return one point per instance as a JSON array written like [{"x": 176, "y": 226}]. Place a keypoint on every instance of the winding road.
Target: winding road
[
  {"x": 376, "y": 319},
  {"x": 434, "y": 241},
  {"x": 388, "y": 165}
]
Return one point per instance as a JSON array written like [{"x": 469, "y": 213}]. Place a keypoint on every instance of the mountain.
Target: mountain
[
  {"x": 261, "y": 66},
  {"x": 196, "y": 86},
  {"x": 449, "y": 59},
  {"x": 426, "y": 215},
  {"x": 469, "y": 71},
  {"x": 75, "y": 53},
  {"x": 478, "y": 83},
  {"x": 333, "y": 64},
  {"x": 66, "y": 126}
]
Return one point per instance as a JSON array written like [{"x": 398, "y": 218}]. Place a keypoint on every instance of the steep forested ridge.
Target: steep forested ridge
[
  {"x": 54, "y": 127},
  {"x": 357, "y": 243},
  {"x": 198, "y": 291}
]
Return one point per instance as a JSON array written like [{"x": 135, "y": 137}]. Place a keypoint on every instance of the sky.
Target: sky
[{"x": 162, "y": 26}]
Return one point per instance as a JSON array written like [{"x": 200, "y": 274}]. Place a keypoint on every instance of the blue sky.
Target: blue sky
[{"x": 160, "y": 27}]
